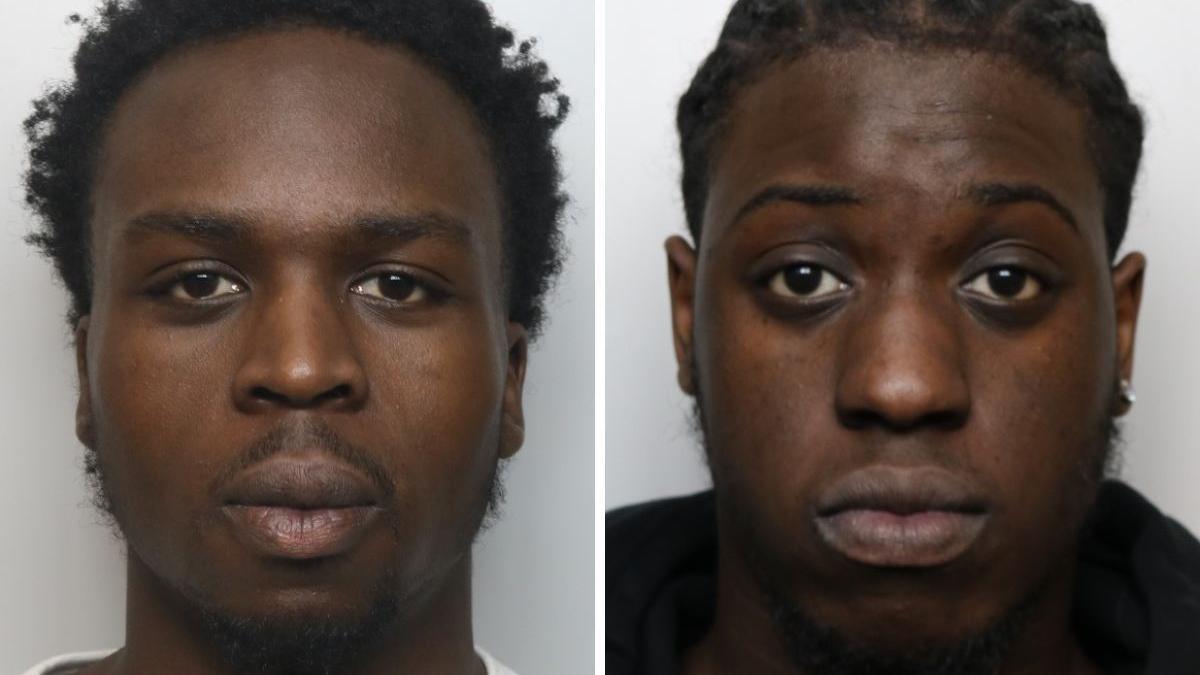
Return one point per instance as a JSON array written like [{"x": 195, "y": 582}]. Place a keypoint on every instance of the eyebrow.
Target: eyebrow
[
  {"x": 1000, "y": 194},
  {"x": 984, "y": 194},
  {"x": 812, "y": 195},
  {"x": 233, "y": 228},
  {"x": 218, "y": 229},
  {"x": 420, "y": 226}
]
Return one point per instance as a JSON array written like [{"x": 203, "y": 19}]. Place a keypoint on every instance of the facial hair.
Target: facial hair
[
  {"x": 818, "y": 649},
  {"x": 102, "y": 501},
  {"x": 311, "y": 644}
]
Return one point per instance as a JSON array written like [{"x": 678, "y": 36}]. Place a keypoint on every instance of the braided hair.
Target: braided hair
[
  {"x": 1062, "y": 41},
  {"x": 511, "y": 91}
]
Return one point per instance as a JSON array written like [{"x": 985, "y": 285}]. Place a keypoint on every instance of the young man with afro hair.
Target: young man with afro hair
[{"x": 307, "y": 244}]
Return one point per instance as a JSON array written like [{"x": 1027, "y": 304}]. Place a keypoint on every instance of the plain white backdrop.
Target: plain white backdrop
[
  {"x": 61, "y": 572},
  {"x": 652, "y": 49}
]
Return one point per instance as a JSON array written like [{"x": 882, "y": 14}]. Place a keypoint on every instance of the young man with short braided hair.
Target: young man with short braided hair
[{"x": 908, "y": 335}]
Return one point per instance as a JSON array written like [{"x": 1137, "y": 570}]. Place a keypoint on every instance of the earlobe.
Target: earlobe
[
  {"x": 681, "y": 279},
  {"x": 1128, "y": 277},
  {"x": 85, "y": 429},
  {"x": 512, "y": 423}
]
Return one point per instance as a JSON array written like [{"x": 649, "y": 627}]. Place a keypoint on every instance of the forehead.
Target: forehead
[
  {"x": 297, "y": 128},
  {"x": 903, "y": 126}
]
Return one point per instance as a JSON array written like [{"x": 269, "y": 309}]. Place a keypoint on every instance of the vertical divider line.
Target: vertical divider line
[{"x": 599, "y": 69}]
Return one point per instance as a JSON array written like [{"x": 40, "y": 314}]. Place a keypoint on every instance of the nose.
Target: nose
[
  {"x": 902, "y": 367},
  {"x": 300, "y": 355}
]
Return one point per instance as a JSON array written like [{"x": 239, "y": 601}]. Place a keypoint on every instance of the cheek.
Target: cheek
[
  {"x": 767, "y": 393},
  {"x": 439, "y": 402},
  {"x": 1041, "y": 411},
  {"x": 160, "y": 404}
]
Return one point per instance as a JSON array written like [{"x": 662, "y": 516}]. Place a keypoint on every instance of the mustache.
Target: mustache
[{"x": 309, "y": 433}]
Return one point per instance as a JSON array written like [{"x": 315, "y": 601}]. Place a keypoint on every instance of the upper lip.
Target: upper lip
[
  {"x": 901, "y": 490},
  {"x": 300, "y": 482}
]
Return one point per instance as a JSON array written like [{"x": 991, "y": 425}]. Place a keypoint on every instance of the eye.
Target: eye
[
  {"x": 1006, "y": 284},
  {"x": 392, "y": 287},
  {"x": 805, "y": 281},
  {"x": 205, "y": 286}
]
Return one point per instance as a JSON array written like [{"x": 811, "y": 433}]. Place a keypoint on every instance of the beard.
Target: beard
[
  {"x": 818, "y": 649},
  {"x": 100, "y": 496},
  {"x": 312, "y": 643}
]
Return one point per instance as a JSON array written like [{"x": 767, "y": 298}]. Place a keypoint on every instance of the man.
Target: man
[
  {"x": 907, "y": 337},
  {"x": 306, "y": 243}
]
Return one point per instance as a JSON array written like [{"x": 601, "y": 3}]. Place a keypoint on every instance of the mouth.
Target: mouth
[
  {"x": 901, "y": 517},
  {"x": 300, "y": 507}
]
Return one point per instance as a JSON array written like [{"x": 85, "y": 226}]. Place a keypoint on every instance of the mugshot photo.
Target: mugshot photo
[
  {"x": 568, "y": 337},
  {"x": 900, "y": 375},
  {"x": 292, "y": 374}
]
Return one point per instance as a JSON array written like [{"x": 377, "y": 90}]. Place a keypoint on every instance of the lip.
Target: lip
[
  {"x": 901, "y": 517},
  {"x": 300, "y": 507},
  {"x": 300, "y": 534}
]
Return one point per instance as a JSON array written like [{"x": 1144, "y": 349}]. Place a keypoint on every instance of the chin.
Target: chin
[
  {"x": 896, "y": 639},
  {"x": 291, "y": 592},
  {"x": 298, "y": 631}
]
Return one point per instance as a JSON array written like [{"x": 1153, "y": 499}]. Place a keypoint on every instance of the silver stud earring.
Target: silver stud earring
[{"x": 1128, "y": 396}]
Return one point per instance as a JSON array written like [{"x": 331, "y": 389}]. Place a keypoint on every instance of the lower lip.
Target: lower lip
[
  {"x": 886, "y": 539},
  {"x": 300, "y": 534}
]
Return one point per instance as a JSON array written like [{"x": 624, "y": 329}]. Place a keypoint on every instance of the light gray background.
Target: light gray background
[
  {"x": 61, "y": 574},
  {"x": 653, "y": 48}
]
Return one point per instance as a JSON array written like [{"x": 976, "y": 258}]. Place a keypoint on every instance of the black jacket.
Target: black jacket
[{"x": 1137, "y": 601}]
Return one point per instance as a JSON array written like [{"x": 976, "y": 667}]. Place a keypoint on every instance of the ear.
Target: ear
[
  {"x": 681, "y": 278},
  {"x": 512, "y": 431},
  {"x": 85, "y": 428},
  {"x": 1127, "y": 278}
]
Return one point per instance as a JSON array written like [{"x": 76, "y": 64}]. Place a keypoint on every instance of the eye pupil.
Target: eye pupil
[
  {"x": 396, "y": 286},
  {"x": 200, "y": 285},
  {"x": 1007, "y": 282},
  {"x": 802, "y": 279}
]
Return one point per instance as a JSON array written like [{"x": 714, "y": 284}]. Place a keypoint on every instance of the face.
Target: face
[
  {"x": 298, "y": 375},
  {"x": 905, "y": 332}
]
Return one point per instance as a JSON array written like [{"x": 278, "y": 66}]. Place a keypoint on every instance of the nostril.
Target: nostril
[
  {"x": 858, "y": 419},
  {"x": 866, "y": 418},
  {"x": 947, "y": 420},
  {"x": 339, "y": 392},
  {"x": 265, "y": 394}
]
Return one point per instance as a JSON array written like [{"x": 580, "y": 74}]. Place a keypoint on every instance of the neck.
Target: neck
[
  {"x": 745, "y": 638},
  {"x": 432, "y": 633}
]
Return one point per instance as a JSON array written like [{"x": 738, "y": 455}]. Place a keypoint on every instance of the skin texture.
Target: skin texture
[
  {"x": 903, "y": 360},
  {"x": 295, "y": 140}
]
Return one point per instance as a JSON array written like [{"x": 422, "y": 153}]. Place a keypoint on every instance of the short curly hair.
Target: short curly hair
[
  {"x": 518, "y": 102},
  {"x": 1061, "y": 41}
]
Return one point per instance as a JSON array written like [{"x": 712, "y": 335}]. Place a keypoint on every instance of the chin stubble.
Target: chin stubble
[
  {"x": 816, "y": 649},
  {"x": 321, "y": 644}
]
